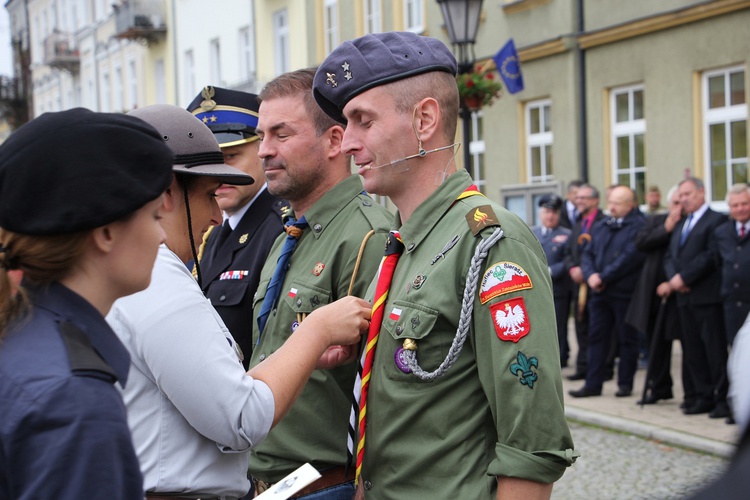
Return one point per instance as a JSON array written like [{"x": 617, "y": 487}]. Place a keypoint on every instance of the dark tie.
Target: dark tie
[
  {"x": 686, "y": 230},
  {"x": 742, "y": 231},
  {"x": 224, "y": 233},
  {"x": 394, "y": 248},
  {"x": 293, "y": 230}
]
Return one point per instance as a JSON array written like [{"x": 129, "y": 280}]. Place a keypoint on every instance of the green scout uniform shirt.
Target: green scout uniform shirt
[
  {"x": 315, "y": 429},
  {"x": 449, "y": 438}
]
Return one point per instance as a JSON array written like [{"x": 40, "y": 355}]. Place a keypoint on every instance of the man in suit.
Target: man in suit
[
  {"x": 587, "y": 204},
  {"x": 569, "y": 213},
  {"x": 734, "y": 249},
  {"x": 610, "y": 264},
  {"x": 234, "y": 253},
  {"x": 691, "y": 269},
  {"x": 554, "y": 240}
]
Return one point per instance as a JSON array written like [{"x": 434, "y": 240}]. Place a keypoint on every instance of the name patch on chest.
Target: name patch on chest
[{"x": 501, "y": 278}]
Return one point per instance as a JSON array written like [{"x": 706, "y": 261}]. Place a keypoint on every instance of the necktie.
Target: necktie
[
  {"x": 293, "y": 230},
  {"x": 224, "y": 233},
  {"x": 742, "y": 231},
  {"x": 686, "y": 229},
  {"x": 394, "y": 248}
]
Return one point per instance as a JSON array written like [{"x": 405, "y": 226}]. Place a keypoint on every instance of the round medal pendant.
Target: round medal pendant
[{"x": 400, "y": 358}]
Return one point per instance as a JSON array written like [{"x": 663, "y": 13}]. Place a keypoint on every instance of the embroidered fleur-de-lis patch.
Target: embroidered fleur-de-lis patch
[{"x": 525, "y": 369}]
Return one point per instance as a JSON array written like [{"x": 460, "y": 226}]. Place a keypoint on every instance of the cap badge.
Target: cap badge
[
  {"x": 347, "y": 73},
  {"x": 331, "y": 80},
  {"x": 208, "y": 103}
]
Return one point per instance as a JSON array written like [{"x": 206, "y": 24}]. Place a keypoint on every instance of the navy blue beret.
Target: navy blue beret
[
  {"x": 77, "y": 170},
  {"x": 552, "y": 201},
  {"x": 376, "y": 59},
  {"x": 230, "y": 114}
]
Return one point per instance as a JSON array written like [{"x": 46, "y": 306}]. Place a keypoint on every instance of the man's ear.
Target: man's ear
[
  {"x": 335, "y": 136},
  {"x": 427, "y": 117}
]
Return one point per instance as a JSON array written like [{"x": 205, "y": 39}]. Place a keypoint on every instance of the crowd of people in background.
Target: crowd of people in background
[{"x": 637, "y": 278}]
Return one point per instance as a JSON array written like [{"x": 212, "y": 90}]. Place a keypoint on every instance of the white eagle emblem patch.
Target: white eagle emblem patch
[{"x": 510, "y": 319}]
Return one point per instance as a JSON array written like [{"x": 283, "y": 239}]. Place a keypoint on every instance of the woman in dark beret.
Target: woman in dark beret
[{"x": 79, "y": 221}]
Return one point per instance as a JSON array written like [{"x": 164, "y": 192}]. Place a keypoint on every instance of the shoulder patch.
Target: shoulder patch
[
  {"x": 510, "y": 319},
  {"x": 501, "y": 278},
  {"x": 82, "y": 355},
  {"x": 481, "y": 217}
]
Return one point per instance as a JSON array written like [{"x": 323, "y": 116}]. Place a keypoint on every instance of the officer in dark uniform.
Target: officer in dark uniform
[
  {"x": 79, "y": 220},
  {"x": 233, "y": 254},
  {"x": 554, "y": 240}
]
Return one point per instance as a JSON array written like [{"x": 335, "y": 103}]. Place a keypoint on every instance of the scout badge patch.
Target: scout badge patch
[{"x": 501, "y": 278}]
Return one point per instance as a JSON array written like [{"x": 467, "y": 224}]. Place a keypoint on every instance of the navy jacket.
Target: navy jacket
[
  {"x": 735, "y": 262},
  {"x": 230, "y": 275},
  {"x": 612, "y": 253},
  {"x": 64, "y": 431},
  {"x": 696, "y": 260},
  {"x": 555, "y": 245}
]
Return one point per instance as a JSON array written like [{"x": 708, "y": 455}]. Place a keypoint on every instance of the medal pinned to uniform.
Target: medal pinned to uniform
[
  {"x": 318, "y": 269},
  {"x": 416, "y": 283}
]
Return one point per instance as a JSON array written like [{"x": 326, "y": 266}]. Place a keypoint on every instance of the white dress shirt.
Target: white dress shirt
[{"x": 192, "y": 410}]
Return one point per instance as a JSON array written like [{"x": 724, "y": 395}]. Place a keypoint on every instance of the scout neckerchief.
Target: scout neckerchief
[
  {"x": 394, "y": 247},
  {"x": 294, "y": 230}
]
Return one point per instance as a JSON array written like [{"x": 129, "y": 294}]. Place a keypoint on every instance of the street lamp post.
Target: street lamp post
[{"x": 461, "y": 19}]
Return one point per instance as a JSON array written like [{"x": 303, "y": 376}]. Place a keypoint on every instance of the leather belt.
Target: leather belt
[{"x": 332, "y": 476}]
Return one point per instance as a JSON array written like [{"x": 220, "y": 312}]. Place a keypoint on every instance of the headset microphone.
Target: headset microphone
[{"x": 422, "y": 153}]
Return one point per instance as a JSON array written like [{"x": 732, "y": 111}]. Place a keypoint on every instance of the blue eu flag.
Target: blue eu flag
[{"x": 509, "y": 67}]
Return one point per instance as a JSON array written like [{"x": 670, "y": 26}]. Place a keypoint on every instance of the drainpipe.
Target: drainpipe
[{"x": 583, "y": 141}]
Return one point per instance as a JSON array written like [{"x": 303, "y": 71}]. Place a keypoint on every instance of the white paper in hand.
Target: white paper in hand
[{"x": 291, "y": 484}]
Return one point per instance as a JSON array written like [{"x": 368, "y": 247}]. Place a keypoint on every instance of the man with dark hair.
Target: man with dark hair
[
  {"x": 234, "y": 252},
  {"x": 690, "y": 264},
  {"x": 569, "y": 213},
  {"x": 336, "y": 234},
  {"x": 461, "y": 369}
]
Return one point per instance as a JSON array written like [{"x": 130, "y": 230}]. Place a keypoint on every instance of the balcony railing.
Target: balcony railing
[
  {"x": 141, "y": 19},
  {"x": 60, "y": 52}
]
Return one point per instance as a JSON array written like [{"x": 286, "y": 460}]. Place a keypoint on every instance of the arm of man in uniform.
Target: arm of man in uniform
[{"x": 513, "y": 488}]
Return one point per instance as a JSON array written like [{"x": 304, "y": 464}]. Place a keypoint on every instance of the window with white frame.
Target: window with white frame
[
  {"x": 214, "y": 61},
  {"x": 118, "y": 91},
  {"x": 281, "y": 41},
  {"x": 331, "y": 24},
  {"x": 413, "y": 16},
  {"x": 246, "y": 51},
  {"x": 189, "y": 74},
  {"x": 724, "y": 130},
  {"x": 132, "y": 79},
  {"x": 372, "y": 16},
  {"x": 160, "y": 76},
  {"x": 476, "y": 151},
  {"x": 539, "y": 141},
  {"x": 628, "y": 125}
]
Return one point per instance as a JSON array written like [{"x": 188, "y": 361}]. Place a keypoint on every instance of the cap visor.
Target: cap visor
[{"x": 225, "y": 173}]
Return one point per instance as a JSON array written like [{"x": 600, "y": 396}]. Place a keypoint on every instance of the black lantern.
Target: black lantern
[{"x": 461, "y": 18}]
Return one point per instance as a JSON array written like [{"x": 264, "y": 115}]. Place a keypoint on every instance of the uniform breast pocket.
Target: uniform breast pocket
[
  {"x": 227, "y": 293},
  {"x": 410, "y": 323},
  {"x": 304, "y": 298}
]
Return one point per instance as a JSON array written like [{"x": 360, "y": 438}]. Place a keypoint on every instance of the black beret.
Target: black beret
[
  {"x": 77, "y": 170},
  {"x": 376, "y": 59},
  {"x": 230, "y": 114},
  {"x": 195, "y": 149},
  {"x": 551, "y": 201}
]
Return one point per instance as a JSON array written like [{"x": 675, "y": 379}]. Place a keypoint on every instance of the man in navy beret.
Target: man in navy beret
[
  {"x": 461, "y": 393},
  {"x": 554, "y": 239},
  {"x": 233, "y": 253}
]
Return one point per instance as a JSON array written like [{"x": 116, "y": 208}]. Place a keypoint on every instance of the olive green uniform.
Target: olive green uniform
[
  {"x": 321, "y": 267},
  {"x": 499, "y": 410}
]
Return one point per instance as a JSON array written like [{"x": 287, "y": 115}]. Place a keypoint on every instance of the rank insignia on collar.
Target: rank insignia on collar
[
  {"x": 243, "y": 238},
  {"x": 480, "y": 218},
  {"x": 510, "y": 319},
  {"x": 318, "y": 268},
  {"x": 525, "y": 369},
  {"x": 501, "y": 278}
]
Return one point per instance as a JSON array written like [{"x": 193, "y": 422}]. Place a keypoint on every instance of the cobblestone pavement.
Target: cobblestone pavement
[{"x": 615, "y": 466}]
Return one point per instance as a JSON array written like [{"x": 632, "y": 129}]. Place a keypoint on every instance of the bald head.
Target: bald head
[{"x": 621, "y": 201}]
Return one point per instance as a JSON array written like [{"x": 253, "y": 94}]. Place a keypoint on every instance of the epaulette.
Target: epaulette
[
  {"x": 481, "y": 217},
  {"x": 84, "y": 360}
]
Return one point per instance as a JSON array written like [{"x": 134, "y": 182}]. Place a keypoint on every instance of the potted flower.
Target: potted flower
[{"x": 478, "y": 88}]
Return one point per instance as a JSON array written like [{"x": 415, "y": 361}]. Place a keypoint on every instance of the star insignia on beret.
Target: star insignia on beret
[
  {"x": 348, "y": 75},
  {"x": 331, "y": 80},
  {"x": 345, "y": 66},
  {"x": 213, "y": 118},
  {"x": 205, "y": 119}
]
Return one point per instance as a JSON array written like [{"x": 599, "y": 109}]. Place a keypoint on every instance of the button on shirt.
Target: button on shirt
[{"x": 85, "y": 449}]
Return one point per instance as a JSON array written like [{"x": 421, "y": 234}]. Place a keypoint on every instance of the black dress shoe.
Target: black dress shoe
[
  {"x": 624, "y": 391},
  {"x": 721, "y": 410},
  {"x": 699, "y": 407},
  {"x": 686, "y": 404},
  {"x": 652, "y": 399},
  {"x": 730, "y": 420},
  {"x": 576, "y": 376},
  {"x": 585, "y": 392}
]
